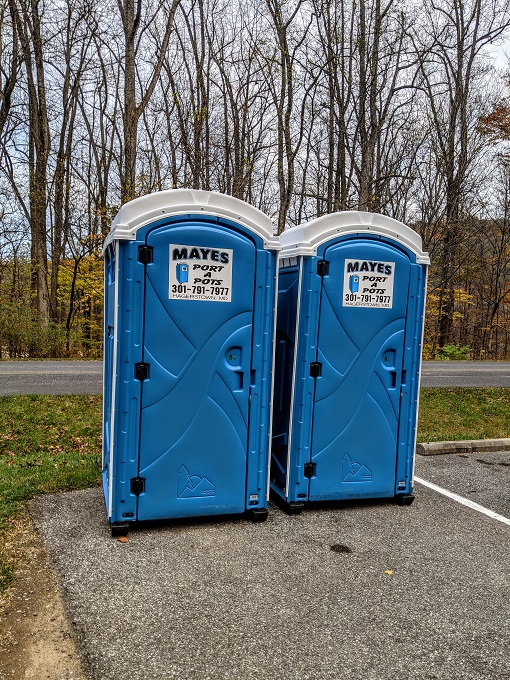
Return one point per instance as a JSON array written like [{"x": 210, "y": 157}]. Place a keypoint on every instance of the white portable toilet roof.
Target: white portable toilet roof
[
  {"x": 141, "y": 211},
  {"x": 304, "y": 239}
]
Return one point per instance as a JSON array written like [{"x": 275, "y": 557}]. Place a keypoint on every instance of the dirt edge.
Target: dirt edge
[{"x": 37, "y": 639}]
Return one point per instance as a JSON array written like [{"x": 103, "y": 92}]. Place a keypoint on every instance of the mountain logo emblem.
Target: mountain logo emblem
[
  {"x": 193, "y": 486},
  {"x": 354, "y": 472}
]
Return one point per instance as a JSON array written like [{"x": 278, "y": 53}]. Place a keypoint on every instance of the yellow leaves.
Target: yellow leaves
[
  {"x": 463, "y": 297},
  {"x": 200, "y": 114},
  {"x": 388, "y": 572},
  {"x": 80, "y": 295},
  {"x": 88, "y": 278},
  {"x": 428, "y": 351},
  {"x": 460, "y": 296}
]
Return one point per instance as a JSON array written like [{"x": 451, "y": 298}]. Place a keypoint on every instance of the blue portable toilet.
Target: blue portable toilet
[
  {"x": 351, "y": 302},
  {"x": 190, "y": 286}
]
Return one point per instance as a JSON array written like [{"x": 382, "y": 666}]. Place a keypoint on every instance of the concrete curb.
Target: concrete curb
[{"x": 471, "y": 446}]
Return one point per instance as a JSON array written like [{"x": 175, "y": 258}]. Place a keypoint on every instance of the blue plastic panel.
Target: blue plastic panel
[
  {"x": 357, "y": 397},
  {"x": 108, "y": 368},
  {"x": 356, "y": 421},
  {"x": 200, "y": 314},
  {"x": 194, "y": 425}
]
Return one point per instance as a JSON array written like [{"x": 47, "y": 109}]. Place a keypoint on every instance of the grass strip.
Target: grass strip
[
  {"x": 47, "y": 444},
  {"x": 458, "y": 413}
]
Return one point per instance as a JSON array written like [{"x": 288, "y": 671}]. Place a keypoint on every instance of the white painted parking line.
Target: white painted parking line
[{"x": 464, "y": 501}]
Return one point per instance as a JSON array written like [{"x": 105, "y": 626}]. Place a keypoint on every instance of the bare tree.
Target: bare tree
[
  {"x": 99, "y": 108},
  {"x": 134, "y": 24},
  {"x": 239, "y": 132},
  {"x": 300, "y": 107},
  {"x": 69, "y": 60},
  {"x": 283, "y": 92},
  {"x": 9, "y": 59},
  {"x": 451, "y": 40},
  {"x": 28, "y": 18}
]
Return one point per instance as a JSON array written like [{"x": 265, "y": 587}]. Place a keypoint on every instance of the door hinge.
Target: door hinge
[
  {"x": 315, "y": 369},
  {"x": 145, "y": 254},
  {"x": 141, "y": 371},
  {"x": 309, "y": 470},
  {"x": 322, "y": 267},
  {"x": 137, "y": 485}
]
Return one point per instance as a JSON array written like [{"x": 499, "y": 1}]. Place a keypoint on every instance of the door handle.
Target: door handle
[{"x": 234, "y": 363}]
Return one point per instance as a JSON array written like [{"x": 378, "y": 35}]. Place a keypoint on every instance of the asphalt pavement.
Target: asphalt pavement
[
  {"x": 51, "y": 377},
  {"x": 86, "y": 377},
  {"x": 465, "y": 374},
  {"x": 361, "y": 592}
]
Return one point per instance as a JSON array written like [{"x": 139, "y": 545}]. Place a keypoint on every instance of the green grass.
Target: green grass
[
  {"x": 47, "y": 444},
  {"x": 50, "y": 444},
  {"x": 452, "y": 414}
]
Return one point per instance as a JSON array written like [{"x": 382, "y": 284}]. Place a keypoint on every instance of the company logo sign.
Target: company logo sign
[
  {"x": 198, "y": 273},
  {"x": 368, "y": 284}
]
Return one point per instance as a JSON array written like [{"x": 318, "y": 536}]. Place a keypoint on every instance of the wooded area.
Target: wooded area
[{"x": 300, "y": 107}]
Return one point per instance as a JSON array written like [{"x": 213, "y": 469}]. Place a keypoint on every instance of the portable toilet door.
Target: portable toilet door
[
  {"x": 348, "y": 351},
  {"x": 190, "y": 284}
]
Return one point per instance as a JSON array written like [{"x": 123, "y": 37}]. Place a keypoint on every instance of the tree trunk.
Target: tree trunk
[
  {"x": 28, "y": 23},
  {"x": 131, "y": 112}
]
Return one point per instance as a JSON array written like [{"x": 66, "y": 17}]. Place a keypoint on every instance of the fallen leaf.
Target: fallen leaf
[
  {"x": 388, "y": 571},
  {"x": 125, "y": 539}
]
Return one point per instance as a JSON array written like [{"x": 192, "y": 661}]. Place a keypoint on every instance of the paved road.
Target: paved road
[
  {"x": 86, "y": 377},
  {"x": 51, "y": 377},
  {"x": 465, "y": 374},
  {"x": 362, "y": 592}
]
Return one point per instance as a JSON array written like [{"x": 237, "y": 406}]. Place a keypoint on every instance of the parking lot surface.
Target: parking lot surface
[{"x": 361, "y": 591}]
